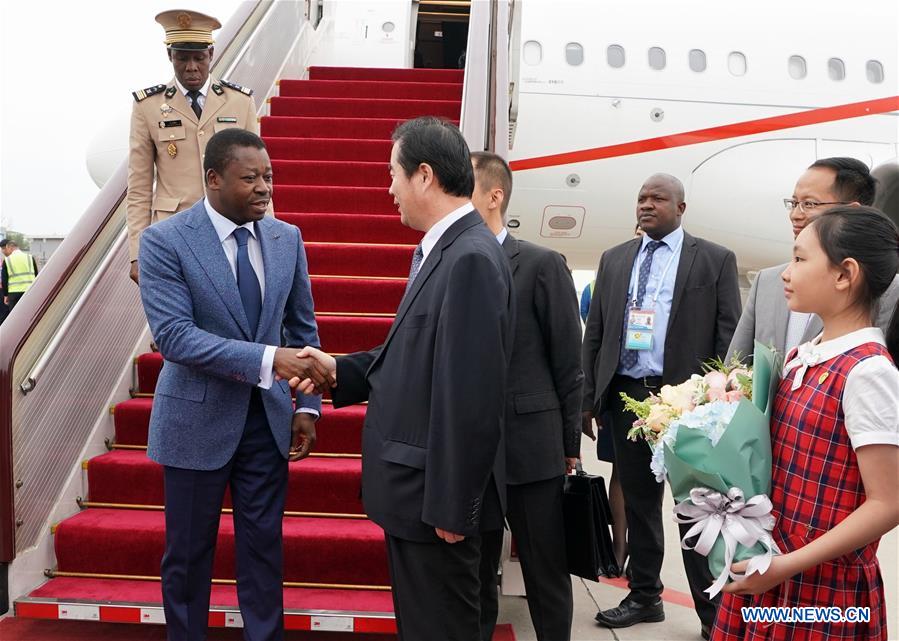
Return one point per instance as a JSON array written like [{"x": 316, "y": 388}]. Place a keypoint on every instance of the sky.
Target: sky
[{"x": 64, "y": 90}]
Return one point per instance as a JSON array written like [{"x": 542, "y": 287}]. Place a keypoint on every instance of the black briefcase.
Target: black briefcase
[{"x": 588, "y": 519}]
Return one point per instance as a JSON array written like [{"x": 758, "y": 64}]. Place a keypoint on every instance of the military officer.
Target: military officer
[{"x": 171, "y": 123}]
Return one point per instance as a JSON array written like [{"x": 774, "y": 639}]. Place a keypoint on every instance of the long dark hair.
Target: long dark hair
[{"x": 868, "y": 236}]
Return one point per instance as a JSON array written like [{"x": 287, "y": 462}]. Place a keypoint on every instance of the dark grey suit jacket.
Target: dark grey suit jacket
[
  {"x": 704, "y": 312},
  {"x": 436, "y": 391},
  {"x": 543, "y": 408}
]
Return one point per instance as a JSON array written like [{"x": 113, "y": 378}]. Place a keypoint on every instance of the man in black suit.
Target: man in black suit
[
  {"x": 436, "y": 389},
  {"x": 543, "y": 417},
  {"x": 686, "y": 288}
]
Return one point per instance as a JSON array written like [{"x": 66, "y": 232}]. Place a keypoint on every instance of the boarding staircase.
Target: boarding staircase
[{"x": 329, "y": 140}]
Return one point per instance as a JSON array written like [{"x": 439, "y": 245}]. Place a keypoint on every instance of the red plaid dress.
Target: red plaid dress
[{"x": 815, "y": 484}]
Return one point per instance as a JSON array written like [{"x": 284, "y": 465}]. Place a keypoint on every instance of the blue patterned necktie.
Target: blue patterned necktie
[
  {"x": 247, "y": 281},
  {"x": 629, "y": 356},
  {"x": 417, "y": 259}
]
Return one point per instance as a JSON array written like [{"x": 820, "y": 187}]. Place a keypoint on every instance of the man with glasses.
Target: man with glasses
[{"x": 826, "y": 183}]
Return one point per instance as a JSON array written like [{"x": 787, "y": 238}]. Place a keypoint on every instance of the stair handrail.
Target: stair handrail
[{"x": 33, "y": 326}]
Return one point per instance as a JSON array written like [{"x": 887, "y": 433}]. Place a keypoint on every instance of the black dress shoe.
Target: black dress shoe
[
  {"x": 705, "y": 632},
  {"x": 629, "y": 612}
]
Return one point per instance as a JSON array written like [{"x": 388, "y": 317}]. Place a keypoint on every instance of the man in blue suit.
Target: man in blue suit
[{"x": 221, "y": 284}]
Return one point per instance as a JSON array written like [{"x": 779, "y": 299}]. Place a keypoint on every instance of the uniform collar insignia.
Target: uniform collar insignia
[
  {"x": 170, "y": 92},
  {"x": 218, "y": 89}
]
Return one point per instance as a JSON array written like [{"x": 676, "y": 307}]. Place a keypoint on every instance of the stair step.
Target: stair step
[
  {"x": 352, "y": 228},
  {"x": 134, "y": 601},
  {"x": 364, "y": 107},
  {"x": 314, "y": 485},
  {"x": 334, "y": 173},
  {"x": 338, "y": 431},
  {"x": 377, "y": 73},
  {"x": 149, "y": 365},
  {"x": 354, "y": 294},
  {"x": 345, "y": 149},
  {"x": 311, "y": 552},
  {"x": 396, "y": 90},
  {"x": 346, "y": 334},
  {"x": 333, "y": 200},
  {"x": 345, "y": 259},
  {"x": 318, "y": 127}
]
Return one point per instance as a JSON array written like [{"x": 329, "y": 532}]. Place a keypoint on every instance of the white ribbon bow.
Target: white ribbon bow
[
  {"x": 806, "y": 356},
  {"x": 733, "y": 518}
]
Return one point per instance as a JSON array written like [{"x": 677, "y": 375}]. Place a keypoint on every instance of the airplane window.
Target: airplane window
[
  {"x": 574, "y": 54},
  {"x": 657, "y": 58},
  {"x": 874, "y": 71},
  {"x": 615, "y": 56},
  {"x": 797, "y": 67},
  {"x": 697, "y": 60},
  {"x": 533, "y": 52},
  {"x": 736, "y": 63},
  {"x": 836, "y": 69}
]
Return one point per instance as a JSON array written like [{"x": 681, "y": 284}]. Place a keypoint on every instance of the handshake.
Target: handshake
[{"x": 309, "y": 369}]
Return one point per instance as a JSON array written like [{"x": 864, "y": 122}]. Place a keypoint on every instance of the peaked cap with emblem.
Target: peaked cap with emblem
[{"x": 188, "y": 30}]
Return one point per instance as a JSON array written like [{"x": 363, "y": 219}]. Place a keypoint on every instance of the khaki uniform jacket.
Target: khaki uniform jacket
[{"x": 167, "y": 143}]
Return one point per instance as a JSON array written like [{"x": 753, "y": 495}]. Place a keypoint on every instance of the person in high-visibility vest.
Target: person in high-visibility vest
[{"x": 19, "y": 272}]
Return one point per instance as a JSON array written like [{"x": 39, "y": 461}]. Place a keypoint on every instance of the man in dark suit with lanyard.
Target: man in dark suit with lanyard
[
  {"x": 664, "y": 305},
  {"x": 436, "y": 388},
  {"x": 543, "y": 418}
]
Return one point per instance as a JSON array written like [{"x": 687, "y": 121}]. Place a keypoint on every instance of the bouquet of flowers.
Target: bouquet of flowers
[{"x": 710, "y": 437}]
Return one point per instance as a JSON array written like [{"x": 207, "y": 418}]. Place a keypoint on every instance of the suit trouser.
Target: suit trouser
[
  {"x": 643, "y": 508},
  {"x": 257, "y": 476},
  {"x": 435, "y": 588},
  {"x": 537, "y": 523}
]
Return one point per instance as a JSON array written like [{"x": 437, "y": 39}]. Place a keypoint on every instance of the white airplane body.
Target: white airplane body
[{"x": 737, "y": 131}]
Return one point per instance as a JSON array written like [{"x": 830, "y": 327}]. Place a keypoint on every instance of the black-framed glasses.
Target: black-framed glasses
[{"x": 805, "y": 206}]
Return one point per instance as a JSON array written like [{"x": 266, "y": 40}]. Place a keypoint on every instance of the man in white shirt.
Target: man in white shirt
[
  {"x": 826, "y": 183},
  {"x": 223, "y": 285},
  {"x": 432, "y": 459}
]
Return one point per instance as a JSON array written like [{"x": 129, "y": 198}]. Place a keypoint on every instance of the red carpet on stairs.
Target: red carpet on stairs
[{"x": 329, "y": 140}]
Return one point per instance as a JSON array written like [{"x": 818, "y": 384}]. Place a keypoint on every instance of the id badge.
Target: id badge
[{"x": 639, "y": 329}]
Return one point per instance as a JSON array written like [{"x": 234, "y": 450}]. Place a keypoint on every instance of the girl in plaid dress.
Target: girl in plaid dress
[{"x": 834, "y": 439}]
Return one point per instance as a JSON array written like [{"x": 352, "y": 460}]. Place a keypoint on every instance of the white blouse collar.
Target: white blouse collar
[{"x": 817, "y": 351}]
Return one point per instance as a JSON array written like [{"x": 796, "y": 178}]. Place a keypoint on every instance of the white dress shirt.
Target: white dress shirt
[
  {"x": 224, "y": 228},
  {"x": 203, "y": 91},
  {"x": 501, "y": 236},
  {"x": 434, "y": 233}
]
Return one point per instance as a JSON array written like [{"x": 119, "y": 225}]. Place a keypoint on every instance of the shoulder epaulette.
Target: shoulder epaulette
[
  {"x": 146, "y": 93},
  {"x": 237, "y": 87}
]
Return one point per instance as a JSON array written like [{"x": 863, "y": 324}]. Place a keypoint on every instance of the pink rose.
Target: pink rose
[
  {"x": 716, "y": 394},
  {"x": 716, "y": 380},
  {"x": 734, "y": 396}
]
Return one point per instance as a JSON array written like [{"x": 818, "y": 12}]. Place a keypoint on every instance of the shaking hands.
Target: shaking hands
[{"x": 310, "y": 369}]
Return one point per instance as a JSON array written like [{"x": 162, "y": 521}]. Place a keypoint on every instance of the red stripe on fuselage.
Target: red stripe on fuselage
[{"x": 735, "y": 130}]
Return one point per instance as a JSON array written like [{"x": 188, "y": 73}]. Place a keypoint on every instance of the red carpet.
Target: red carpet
[
  {"x": 394, "y": 90},
  {"x": 329, "y": 139},
  {"x": 359, "y": 228}
]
